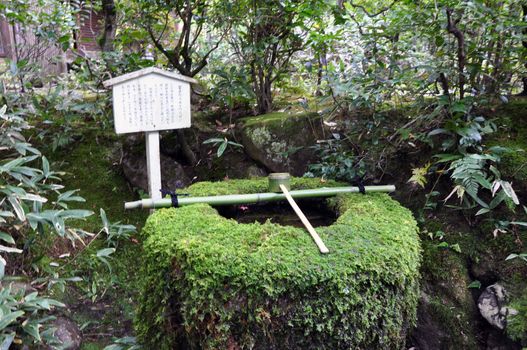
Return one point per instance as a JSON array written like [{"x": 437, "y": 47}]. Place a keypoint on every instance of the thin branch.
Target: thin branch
[
  {"x": 171, "y": 57},
  {"x": 371, "y": 15},
  {"x": 203, "y": 62},
  {"x": 164, "y": 27}
]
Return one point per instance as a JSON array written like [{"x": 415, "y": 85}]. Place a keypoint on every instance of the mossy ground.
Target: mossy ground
[
  {"x": 511, "y": 119},
  {"x": 458, "y": 266},
  {"x": 89, "y": 166},
  {"x": 265, "y": 285},
  {"x": 517, "y": 324},
  {"x": 446, "y": 280},
  {"x": 103, "y": 301},
  {"x": 275, "y": 119}
]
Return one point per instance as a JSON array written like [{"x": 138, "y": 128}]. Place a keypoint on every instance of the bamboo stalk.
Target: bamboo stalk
[
  {"x": 253, "y": 198},
  {"x": 318, "y": 241}
]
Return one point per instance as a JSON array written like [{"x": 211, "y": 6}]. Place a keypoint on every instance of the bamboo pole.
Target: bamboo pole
[
  {"x": 318, "y": 241},
  {"x": 149, "y": 203}
]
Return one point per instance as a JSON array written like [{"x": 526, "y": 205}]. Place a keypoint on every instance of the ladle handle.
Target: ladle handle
[{"x": 318, "y": 241}]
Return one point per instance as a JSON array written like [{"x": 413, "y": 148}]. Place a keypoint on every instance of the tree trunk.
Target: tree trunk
[
  {"x": 319, "y": 78},
  {"x": 461, "y": 56},
  {"x": 265, "y": 98},
  {"x": 484, "y": 81},
  {"x": 262, "y": 86},
  {"x": 321, "y": 58},
  {"x": 444, "y": 84},
  {"x": 110, "y": 26},
  {"x": 185, "y": 148},
  {"x": 16, "y": 57},
  {"x": 496, "y": 64}
]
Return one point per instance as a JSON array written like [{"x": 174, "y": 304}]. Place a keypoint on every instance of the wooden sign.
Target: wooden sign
[{"x": 150, "y": 100}]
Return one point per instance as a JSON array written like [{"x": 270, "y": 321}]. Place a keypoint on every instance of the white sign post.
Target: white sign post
[{"x": 150, "y": 100}]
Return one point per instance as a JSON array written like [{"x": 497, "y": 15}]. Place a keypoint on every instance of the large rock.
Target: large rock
[
  {"x": 233, "y": 165},
  {"x": 492, "y": 306},
  {"x": 67, "y": 333},
  {"x": 135, "y": 170},
  {"x": 281, "y": 142}
]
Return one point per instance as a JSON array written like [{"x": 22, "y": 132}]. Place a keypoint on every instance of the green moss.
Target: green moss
[
  {"x": 281, "y": 141},
  {"x": 441, "y": 263},
  {"x": 256, "y": 185},
  {"x": 514, "y": 164},
  {"x": 456, "y": 321},
  {"x": 211, "y": 283},
  {"x": 513, "y": 114},
  {"x": 88, "y": 167},
  {"x": 446, "y": 279},
  {"x": 276, "y": 119},
  {"x": 517, "y": 324},
  {"x": 503, "y": 244},
  {"x": 512, "y": 133},
  {"x": 91, "y": 346},
  {"x": 447, "y": 298}
]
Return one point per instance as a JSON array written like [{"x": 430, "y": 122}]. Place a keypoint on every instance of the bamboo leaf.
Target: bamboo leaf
[
  {"x": 45, "y": 167},
  {"x": 212, "y": 140},
  {"x": 32, "y": 328},
  {"x": 507, "y": 187},
  {"x": 105, "y": 252},
  {"x": 7, "y": 238},
  {"x": 17, "y": 207},
  {"x": 3, "y": 248},
  {"x": 33, "y": 197},
  {"x": 8, "y": 340},
  {"x": 6, "y": 320},
  {"x": 3, "y": 264},
  {"x": 105, "y": 221},
  {"x": 482, "y": 211},
  {"x": 222, "y": 148}
]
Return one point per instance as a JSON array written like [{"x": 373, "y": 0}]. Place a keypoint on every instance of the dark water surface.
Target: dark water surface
[{"x": 281, "y": 213}]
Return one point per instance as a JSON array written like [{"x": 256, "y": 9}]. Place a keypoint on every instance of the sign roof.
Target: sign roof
[{"x": 147, "y": 71}]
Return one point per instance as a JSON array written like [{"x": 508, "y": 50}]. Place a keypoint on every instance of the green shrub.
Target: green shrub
[{"x": 211, "y": 283}]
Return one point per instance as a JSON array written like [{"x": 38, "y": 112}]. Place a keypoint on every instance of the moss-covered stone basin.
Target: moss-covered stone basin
[{"x": 211, "y": 283}]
